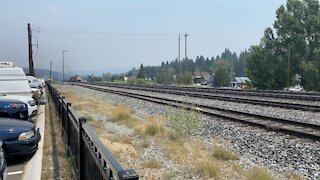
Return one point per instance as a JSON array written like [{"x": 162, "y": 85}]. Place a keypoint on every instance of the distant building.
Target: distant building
[
  {"x": 201, "y": 78},
  {"x": 239, "y": 83}
]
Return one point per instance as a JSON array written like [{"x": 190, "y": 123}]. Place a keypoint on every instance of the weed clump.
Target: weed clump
[
  {"x": 224, "y": 154},
  {"x": 259, "y": 174},
  {"x": 153, "y": 127},
  {"x": 121, "y": 113},
  {"x": 209, "y": 169}
]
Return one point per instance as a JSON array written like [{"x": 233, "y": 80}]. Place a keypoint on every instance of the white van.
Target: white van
[{"x": 13, "y": 80}]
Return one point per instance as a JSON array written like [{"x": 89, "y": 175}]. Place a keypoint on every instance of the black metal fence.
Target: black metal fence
[{"x": 90, "y": 158}]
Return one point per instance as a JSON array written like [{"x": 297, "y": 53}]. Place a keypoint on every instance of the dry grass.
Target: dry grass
[
  {"x": 121, "y": 113},
  {"x": 65, "y": 170},
  {"x": 153, "y": 127},
  {"x": 224, "y": 154},
  {"x": 153, "y": 163},
  {"x": 259, "y": 174},
  {"x": 122, "y": 139},
  {"x": 209, "y": 169},
  {"x": 182, "y": 151}
]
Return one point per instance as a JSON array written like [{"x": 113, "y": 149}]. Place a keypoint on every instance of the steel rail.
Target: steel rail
[
  {"x": 203, "y": 95},
  {"x": 286, "y": 126},
  {"x": 260, "y": 93}
]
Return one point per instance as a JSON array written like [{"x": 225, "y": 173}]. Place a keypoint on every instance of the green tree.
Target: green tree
[
  {"x": 106, "y": 76},
  {"x": 311, "y": 72},
  {"x": 222, "y": 74},
  {"x": 166, "y": 76},
  {"x": 296, "y": 31},
  {"x": 142, "y": 73}
]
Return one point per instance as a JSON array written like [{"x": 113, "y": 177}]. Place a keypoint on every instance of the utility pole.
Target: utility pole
[
  {"x": 179, "y": 60},
  {"x": 63, "y": 51},
  {"x": 50, "y": 70},
  {"x": 185, "y": 71},
  {"x": 289, "y": 64},
  {"x": 31, "y": 68}
]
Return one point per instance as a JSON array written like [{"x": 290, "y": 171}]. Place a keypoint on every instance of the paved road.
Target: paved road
[{"x": 16, "y": 168}]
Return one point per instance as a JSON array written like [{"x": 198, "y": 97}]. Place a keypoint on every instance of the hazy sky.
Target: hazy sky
[{"x": 118, "y": 34}]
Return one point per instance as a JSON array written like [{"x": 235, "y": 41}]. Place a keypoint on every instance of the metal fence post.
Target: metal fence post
[
  {"x": 81, "y": 165},
  {"x": 62, "y": 113},
  {"x": 67, "y": 124}
]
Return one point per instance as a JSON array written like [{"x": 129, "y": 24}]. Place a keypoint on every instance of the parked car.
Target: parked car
[
  {"x": 12, "y": 108},
  {"x": 3, "y": 164},
  {"x": 20, "y": 138},
  {"x": 32, "y": 104},
  {"x": 37, "y": 89},
  {"x": 34, "y": 82}
]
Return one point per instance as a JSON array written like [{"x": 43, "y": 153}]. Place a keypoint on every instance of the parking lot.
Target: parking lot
[
  {"x": 29, "y": 167},
  {"x": 22, "y": 119}
]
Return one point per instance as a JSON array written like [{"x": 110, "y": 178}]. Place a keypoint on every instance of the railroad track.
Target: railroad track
[
  {"x": 259, "y": 93},
  {"x": 287, "y": 105},
  {"x": 286, "y": 126}
]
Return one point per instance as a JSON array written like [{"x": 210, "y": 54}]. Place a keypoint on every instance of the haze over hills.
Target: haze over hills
[
  {"x": 45, "y": 73},
  {"x": 100, "y": 72}
]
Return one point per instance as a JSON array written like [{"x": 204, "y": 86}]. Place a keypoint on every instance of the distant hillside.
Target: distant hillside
[
  {"x": 45, "y": 73},
  {"x": 100, "y": 72}
]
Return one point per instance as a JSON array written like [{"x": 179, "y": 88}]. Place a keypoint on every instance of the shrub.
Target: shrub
[
  {"x": 183, "y": 124},
  {"x": 208, "y": 169},
  {"x": 121, "y": 113},
  {"x": 154, "y": 126},
  {"x": 224, "y": 154},
  {"x": 152, "y": 130}
]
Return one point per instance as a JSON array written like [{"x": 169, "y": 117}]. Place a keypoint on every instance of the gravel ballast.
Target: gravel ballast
[{"x": 279, "y": 153}]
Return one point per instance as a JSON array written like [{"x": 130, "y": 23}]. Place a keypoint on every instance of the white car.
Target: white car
[
  {"x": 32, "y": 106},
  {"x": 35, "y": 82}
]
